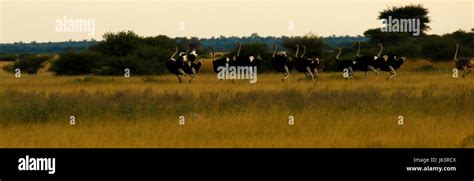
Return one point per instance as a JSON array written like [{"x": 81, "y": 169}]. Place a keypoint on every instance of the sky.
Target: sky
[{"x": 41, "y": 20}]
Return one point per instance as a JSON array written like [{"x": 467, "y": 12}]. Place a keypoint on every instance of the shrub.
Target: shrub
[
  {"x": 142, "y": 55},
  {"x": 29, "y": 63},
  {"x": 314, "y": 44},
  {"x": 76, "y": 63},
  {"x": 8, "y": 57},
  {"x": 438, "y": 48},
  {"x": 118, "y": 44}
]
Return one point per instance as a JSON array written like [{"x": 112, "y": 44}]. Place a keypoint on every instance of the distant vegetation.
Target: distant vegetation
[
  {"x": 46, "y": 47},
  {"x": 221, "y": 44},
  {"x": 118, "y": 51},
  {"x": 147, "y": 55},
  {"x": 28, "y": 62}
]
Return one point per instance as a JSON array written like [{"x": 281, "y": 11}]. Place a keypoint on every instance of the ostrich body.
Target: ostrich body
[
  {"x": 221, "y": 62},
  {"x": 390, "y": 63},
  {"x": 247, "y": 60},
  {"x": 177, "y": 67},
  {"x": 193, "y": 64},
  {"x": 345, "y": 64},
  {"x": 281, "y": 62},
  {"x": 308, "y": 66},
  {"x": 366, "y": 63}
]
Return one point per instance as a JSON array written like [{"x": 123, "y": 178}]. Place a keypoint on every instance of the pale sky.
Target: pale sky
[{"x": 28, "y": 20}]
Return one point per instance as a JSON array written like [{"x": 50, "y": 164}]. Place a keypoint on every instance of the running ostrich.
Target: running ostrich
[
  {"x": 281, "y": 62},
  {"x": 308, "y": 66},
  {"x": 176, "y": 66},
  {"x": 193, "y": 63},
  {"x": 246, "y": 60},
  {"x": 221, "y": 62},
  {"x": 366, "y": 62},
  {"x": 390, "y": 63},
  {"x": 466, "y": 64},
  {"x": 345, "y": 64}
]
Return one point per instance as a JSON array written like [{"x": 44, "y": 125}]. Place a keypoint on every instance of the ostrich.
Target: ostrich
[
  {"x": 390, "y": 63},
  {"x": 187, "y": 65},
  {"x": 177, "y": 67},
  {"x": 193, "y": 63},
  {"x": 247, "y": 60},
  {"x": 221, "y": 62},
  {"x": 466, "y": 64},
  {"x": 281, "y": 62},
  {"x": 366, "y": 63},
  {"x": 308, "y": 66},
  {"x": 345, "y": 64}
]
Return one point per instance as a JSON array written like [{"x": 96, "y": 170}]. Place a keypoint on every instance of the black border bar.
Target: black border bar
[{"x": 204, "y": 163}]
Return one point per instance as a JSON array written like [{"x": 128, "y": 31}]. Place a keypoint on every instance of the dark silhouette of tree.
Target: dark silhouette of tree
[
  {"x": 118, "y": 44},
  {"x": 314, "y": 44},
  {"x": 409, "y": 12},
  {"x": 403, "y": 12}
]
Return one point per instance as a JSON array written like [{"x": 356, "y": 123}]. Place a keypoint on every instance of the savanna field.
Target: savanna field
[{"x": 144, "y": 111}]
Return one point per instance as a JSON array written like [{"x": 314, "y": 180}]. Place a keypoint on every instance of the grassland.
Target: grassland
[{"x": 330, "y": 112}]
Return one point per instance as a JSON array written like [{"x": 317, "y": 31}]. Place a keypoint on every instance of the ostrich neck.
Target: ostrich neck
[
  {"x": 338, "y": 54},
  {"x": 274, "y": 51},
  {"x": 380, "y": 52},
  {"x": 213, "y": 52},
  {"x": 358, "y": 50},
  {"x": 297, "y": 51},
  {"x": 456, "y": 53}
]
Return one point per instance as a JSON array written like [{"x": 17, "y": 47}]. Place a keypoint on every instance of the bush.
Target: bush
[
  {"x": 29, "y": 63},
  {"x": 314, "y": 44},
  {"x": 117, "y": 66},
  {"x": 76, "y": 63},
  {"x": 8, "y": 57},
  {"x": 408, "y": 49},
  {"x": 466, "y": 42},
  {"x": 118, "y": 44},
  {"x": 142, "y": 55},
  {"x": 154, "y": 57},
  {"x": 438, "y": 48}
]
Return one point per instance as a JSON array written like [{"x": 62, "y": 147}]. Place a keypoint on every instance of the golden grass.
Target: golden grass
[{"x": 331, "y": 112}]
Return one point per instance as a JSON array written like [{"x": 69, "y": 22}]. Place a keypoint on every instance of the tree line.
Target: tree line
[{"x": 148, "y": 55}]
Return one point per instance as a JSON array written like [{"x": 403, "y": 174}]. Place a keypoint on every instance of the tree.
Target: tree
[
  {"x": 464, "y": 38},
  {"x": 118, "y": 44},
  {"x": 142, "y": 55},
  {"x": 389, "y": 38},
  {"x": 28, "y": 63},
  {"x": 314, "y": 44},
  {"x": 76, "y": 63},
  {"x": 397, "y": 38},
  {"x": 409, "y": 12},
  {"x": 438, "y": 48}
]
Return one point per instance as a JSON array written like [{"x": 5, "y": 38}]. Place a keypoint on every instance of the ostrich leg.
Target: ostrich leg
[
  {"x": 393, "y": 72},
  {"x": 308, "y": 70},
  {"x": 373, "y": 69}
]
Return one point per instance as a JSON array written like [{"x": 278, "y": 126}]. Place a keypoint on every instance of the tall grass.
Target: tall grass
[
  {"x": 18, "y": 106},
  {"x": 331, "y": 112}
]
